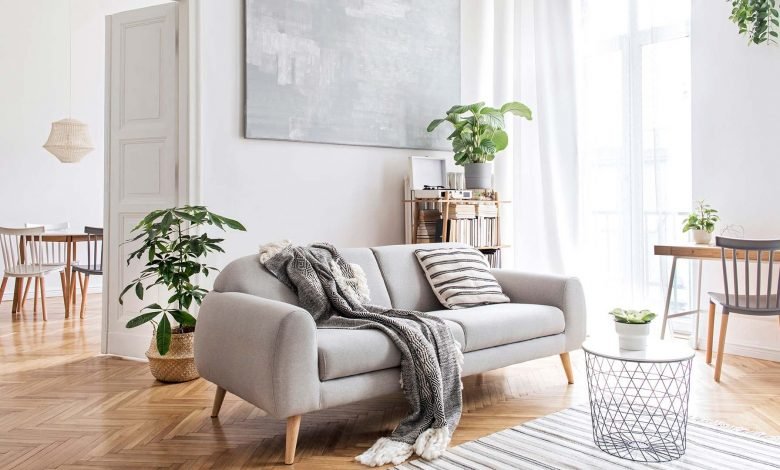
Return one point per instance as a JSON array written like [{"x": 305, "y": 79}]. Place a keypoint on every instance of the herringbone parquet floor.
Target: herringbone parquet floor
[{"x": 64, "y": 406}]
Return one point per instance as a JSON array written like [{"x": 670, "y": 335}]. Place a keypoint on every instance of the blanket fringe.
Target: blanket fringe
[
  {"x": 269, "y": 250},
  {"x": 385, "y": 451},
  {"x": 432, "y": 443}
]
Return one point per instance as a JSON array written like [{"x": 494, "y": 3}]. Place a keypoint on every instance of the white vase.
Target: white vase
[
  {"x": 633, "y": 336},
  {"x": 702, "y": 237}
]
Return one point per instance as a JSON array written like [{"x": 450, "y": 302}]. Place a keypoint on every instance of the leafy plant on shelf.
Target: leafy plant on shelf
[
  {"x": 173, "y": 252},
  {"x": 479, "y": 130},
  {"x": 702, "y": 218},
  {"x": 759, "y": 20},
  {"x": 634, "y": 317}
]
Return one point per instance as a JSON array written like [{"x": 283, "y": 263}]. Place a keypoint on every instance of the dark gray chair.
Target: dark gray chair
[
  {"x": 761, "y": 301},
  {"x": 94, "y": 266}
]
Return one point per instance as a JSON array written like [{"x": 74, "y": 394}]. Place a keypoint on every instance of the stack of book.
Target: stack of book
[
  {"x": 429, "y": 226},
  {"x": 462, "y": 211},
  {"x": 487, "y": 210}
]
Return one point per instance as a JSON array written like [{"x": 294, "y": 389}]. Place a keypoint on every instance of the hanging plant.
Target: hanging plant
[{"x": 759, "y": 20}]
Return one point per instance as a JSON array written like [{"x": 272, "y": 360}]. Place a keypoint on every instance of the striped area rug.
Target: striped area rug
[{"x": 564, "y": 440}]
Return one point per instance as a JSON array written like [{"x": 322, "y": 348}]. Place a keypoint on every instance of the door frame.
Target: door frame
[{"x": 189, "y": 120}]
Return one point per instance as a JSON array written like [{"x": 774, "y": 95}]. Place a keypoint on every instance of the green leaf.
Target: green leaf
[
  {"x": 501, "y": 139},
  {"x": 467, "y": 135},
  {"x": 183, "y": 317},
  {"x": 434, "y": 124},
  {"x": 142, "y": 318},
  {"x": 139, "y": 290},
  {"x": 517, "y": 108},
  {"x": 234, "y": 224},
  {"x": 164, "y": 335},
  {"x": 475, "y": 108},
  {"x": 458, "y": 109},
  {"x": 488, "y": 147},
  {"x": 492, "y": 117}
]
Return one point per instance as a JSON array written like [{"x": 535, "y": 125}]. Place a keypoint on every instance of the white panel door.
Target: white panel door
[{"x": 142, "y": 153}]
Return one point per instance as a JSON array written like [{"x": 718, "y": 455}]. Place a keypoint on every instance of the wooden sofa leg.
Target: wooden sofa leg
[
  {"x": 566, "y": 361},
  {"x": 293, "y": 426},
  {"x": 218, "y": 398}
]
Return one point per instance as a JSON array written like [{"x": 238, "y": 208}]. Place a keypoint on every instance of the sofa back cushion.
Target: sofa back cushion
[
  {"x": 247, "y": 275},
  {"x": 405, "y": 280}
]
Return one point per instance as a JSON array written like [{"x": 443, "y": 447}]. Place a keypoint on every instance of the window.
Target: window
[{"x": 635, "y": 154}]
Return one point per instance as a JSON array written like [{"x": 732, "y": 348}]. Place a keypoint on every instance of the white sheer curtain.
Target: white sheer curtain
[
  {"x": 635, "y": 156},
  {"x": 603, "y": 171},
  {"x": 526, "y": 46}
]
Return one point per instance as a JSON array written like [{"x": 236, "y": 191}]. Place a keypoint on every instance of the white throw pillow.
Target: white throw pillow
[{"x": 460, "y": 277}]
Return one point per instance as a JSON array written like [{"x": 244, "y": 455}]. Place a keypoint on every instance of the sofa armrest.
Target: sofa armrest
[
  {"x": 545, "y": 289},
  {"x": 262, "y": 350}
]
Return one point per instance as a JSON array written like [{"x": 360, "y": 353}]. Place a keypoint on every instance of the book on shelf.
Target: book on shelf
[
  {"x": 486, "y": 210},
  {"x": 429, "y": 226},
  {"x": 462, "y": 211},
  {"x": 493, "y": 257},
  {"x": 479, "y": 232}
]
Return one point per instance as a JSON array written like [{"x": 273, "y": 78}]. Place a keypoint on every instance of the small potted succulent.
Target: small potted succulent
[
  {"x": 632, "y": 327},
  {"x": 479, "y": 134},
  {"x": 702, "y": 221},
  {"x": 173, "y": 253}
]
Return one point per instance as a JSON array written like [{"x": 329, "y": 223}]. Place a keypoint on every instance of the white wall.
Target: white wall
[
  {"x": 736, "y": 157},
  {"x": 34, "y": 185},
  {"x": 347, "y": 195}
]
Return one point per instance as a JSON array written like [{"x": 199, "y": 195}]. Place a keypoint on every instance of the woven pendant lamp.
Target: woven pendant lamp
[{"x": 69, "y": 138}]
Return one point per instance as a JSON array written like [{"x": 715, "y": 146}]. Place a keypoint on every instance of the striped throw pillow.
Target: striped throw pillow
[{"x": 460, "y": 277}]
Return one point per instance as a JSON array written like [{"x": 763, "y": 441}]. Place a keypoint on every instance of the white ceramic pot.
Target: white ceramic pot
[
  {"x": 633, "y": 336},
  {"x": 702, "y": 237}
]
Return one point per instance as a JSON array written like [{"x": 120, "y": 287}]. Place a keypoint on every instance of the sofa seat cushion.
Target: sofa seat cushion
[
  {"x": 488, "y": 326},
  {"x": 342, "y": 353}
]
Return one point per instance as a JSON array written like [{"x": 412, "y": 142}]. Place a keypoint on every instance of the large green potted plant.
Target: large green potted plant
[
  {"x": 478, "y": 135},
  {"x": 702, "y": 222},
  {"x": 173, "y": 252}
]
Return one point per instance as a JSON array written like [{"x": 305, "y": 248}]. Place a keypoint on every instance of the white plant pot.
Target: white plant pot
[
  {"x": 702, "y": 237},
  {"x": 633, "y": 336}
]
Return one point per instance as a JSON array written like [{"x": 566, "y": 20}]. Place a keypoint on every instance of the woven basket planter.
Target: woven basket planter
[{"x": 178, "y": 365}]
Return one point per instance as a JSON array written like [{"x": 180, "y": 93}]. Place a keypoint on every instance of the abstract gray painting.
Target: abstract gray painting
[{"x": 361, "y": 72}]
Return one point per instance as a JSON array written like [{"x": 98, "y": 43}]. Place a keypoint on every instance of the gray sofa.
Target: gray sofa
[{"x": 255, "y": 342}]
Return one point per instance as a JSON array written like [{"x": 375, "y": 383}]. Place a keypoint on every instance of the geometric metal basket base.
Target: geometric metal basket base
[{"x": 639, "y": 410}]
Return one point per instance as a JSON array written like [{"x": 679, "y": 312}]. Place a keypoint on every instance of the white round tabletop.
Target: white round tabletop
[{"x": 657, "y": 350}]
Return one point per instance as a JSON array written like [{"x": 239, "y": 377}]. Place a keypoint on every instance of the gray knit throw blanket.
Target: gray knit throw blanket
[{"x": 328, "y": 287}]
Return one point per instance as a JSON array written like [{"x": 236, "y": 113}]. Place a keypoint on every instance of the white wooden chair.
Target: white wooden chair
[
  {"x": 55, "y": 253},
  {"x": 24, "y": 257}
]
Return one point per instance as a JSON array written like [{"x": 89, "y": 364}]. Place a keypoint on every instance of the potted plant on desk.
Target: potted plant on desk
[
  {"x": 479, "y": 134},
  {"x": 632, "y": 327},
  {"x": 173, "y": 252},
  {"x": 702, "y": 222}
]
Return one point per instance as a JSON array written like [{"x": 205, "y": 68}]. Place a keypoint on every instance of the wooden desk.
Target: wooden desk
[
  {"x": 71, "y": 239},
  {"x": 700, "y": 253},
  {"x": 703, "y": 252}
]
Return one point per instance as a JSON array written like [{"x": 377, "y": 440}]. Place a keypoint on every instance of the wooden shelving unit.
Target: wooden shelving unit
[{"x": 445, "y": 206}]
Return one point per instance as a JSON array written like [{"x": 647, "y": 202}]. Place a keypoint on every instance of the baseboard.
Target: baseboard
[
  {"x": 756, "y": 352},
  {"x": 50, "y": 291}
]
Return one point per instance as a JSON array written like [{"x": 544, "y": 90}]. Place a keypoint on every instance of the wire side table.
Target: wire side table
[{"x": 639, "y": 399}]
